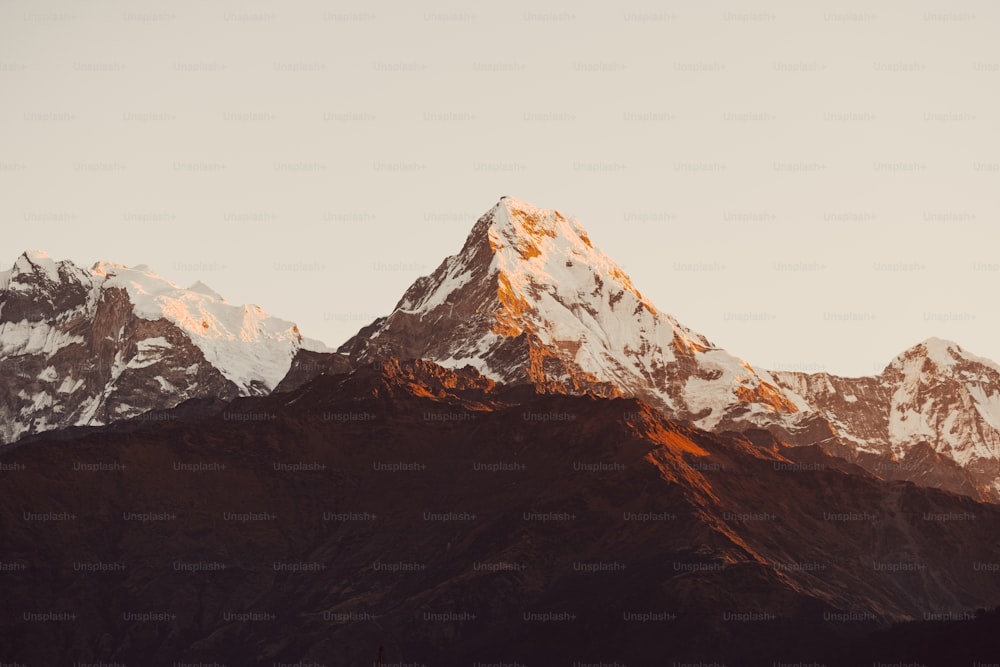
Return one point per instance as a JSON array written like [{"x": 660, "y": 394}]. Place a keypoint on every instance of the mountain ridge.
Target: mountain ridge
[{"x": 527, "y": 299}]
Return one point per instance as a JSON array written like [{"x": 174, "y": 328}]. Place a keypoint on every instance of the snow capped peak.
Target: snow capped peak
[
  {"x": 940, "y": 351},
  {"x": 946, "y": 396},
  {"x": 243, "y": 342},
  {"x": 36, "y": 262},
  {"x": 533, "y": 245},
  {"x": 515, "y": 217},
  {"x": 515, "y": 222},
  {"x": 937, "y": 353},
  {"x": 112, "y": 342},
  {"x": 246, "y": 344},
  {"x": 36, "y": 274},
  {"x": 530, "y": 298}
]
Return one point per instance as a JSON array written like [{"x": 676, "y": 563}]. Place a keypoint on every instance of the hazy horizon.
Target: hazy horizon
[{"x": 812, "y": 188}]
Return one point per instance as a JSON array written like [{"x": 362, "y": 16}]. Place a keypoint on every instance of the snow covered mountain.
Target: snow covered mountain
[
  {"x": 935, "y": 396},
  {"x": 530, "y": 299},
  {"x": 90, "y": 346}
]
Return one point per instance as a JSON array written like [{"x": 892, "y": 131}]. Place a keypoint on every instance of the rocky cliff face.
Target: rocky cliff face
[{"x": 309, "y": 364}]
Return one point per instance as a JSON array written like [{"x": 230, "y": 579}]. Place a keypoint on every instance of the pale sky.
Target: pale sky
[{"x": 812, "y": 186}]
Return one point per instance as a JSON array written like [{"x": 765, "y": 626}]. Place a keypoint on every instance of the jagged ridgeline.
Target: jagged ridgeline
[{"x": 528, "y": 299}]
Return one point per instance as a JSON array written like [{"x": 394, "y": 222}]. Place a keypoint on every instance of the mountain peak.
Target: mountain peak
[
  {"x": 42, "y": 281},
  {"x": 940, "y": 352},
  {"x": 530, "y": 299},
  {"x": 533, "y": 246},
  {"x": 524, "y": 227},
  {"x": 36, "y": 262},
  {"x": 247, "y": 346}
]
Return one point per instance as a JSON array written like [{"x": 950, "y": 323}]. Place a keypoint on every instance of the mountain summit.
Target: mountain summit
[{"x": 529, "y": 298}]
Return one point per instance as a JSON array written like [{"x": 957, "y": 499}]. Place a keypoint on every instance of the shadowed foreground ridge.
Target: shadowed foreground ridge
[{"x": 454, "y": 520}]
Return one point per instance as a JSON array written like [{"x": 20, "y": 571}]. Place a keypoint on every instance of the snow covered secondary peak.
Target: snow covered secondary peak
[
  {"x": 943, "y": 355},
  {"x": 31, "y": 260},
  {"x": 530, "y": 298},
  {"x": 243, "y": 342},
  {"x": 34, "y": 267},
  {"x": 934, "y": 395},
  {"x": 246, "y": 344},
  {"x": 93, "y": 346},
  {"x": 948, "y": 397}
]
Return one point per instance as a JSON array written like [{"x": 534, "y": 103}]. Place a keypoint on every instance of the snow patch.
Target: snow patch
[
  {"x": 141, "y": 361},
  {"x": 157, "y": 342},
  {"x": 165, "y": 386},
  {"x": 17, "y": 338},
  {"x": 987, "y": 405},
  {"x": 88, "y": 411},
  {"x": 440, "y": 294},
  {"x": 313, "y": 345},
  {"x": 149, "y": 352},
  {"x": 42, "y": 399},
  {"x": 69, "y": 385}
]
